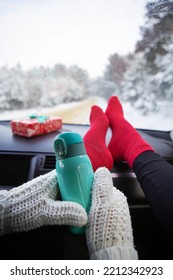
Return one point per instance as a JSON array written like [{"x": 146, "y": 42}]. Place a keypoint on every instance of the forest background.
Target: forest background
[{"x": 143, "y": 78}]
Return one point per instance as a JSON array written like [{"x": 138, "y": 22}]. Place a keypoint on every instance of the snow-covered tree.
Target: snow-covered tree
[
  {"x": 13, "y": 92},
  {"x": 116, "y": 68},
  {"x": 42, "y": 86},
  {"x": 164, "y": 78},
  {"x": 137, "y": 88},
  {"x": 104, "y": 88},
  {"x": 150, "y": 78}
]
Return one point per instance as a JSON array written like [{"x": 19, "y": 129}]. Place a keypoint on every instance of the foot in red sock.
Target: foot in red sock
[
  {"x": 95, "y": 142},
  {"x": 126, "y": 143}
]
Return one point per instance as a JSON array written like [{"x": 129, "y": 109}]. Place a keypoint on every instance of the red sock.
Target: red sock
[
  {"x": 94, "y": 140},
  {"x": 126, "y": 143}
]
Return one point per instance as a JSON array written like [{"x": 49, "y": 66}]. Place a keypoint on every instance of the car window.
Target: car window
[{"x": 61, "y": 57}]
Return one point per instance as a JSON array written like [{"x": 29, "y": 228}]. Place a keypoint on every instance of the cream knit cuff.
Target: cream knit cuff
[{"x": 115, "y": 253}]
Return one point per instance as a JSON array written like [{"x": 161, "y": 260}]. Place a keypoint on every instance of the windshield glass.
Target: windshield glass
[{"x": 61, "y": 57}]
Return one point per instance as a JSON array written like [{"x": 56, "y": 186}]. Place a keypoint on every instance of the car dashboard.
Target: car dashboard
[{"x": 22, "y": 159}]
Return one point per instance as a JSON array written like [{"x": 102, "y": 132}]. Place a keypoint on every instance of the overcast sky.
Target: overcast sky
[{"x": 82, "y": 32}]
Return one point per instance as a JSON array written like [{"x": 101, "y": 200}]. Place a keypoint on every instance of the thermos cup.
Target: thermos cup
[{"x": 74, "y": 171}]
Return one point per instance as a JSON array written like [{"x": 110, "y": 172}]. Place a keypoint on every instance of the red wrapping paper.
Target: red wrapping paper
[{"x": 31, "y": 127}]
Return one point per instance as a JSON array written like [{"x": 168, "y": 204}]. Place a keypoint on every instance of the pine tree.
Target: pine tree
[{"x": 149, "y": 80}]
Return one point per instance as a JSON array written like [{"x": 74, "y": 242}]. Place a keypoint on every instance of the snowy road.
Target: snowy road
[{"x": 74, "y": 112}]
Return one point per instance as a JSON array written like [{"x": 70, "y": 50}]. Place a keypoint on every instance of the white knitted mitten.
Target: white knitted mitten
[
  {"x": 35, "y": 204},
  {"x": 109, "y": 231}
]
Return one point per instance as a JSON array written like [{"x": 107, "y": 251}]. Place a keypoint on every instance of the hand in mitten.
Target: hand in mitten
[
  {"x": 35, "y": 204},
  {"x": 109, "y": 231}
]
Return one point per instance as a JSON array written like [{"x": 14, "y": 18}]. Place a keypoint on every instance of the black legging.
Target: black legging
[{"x": 155, "y": 176}]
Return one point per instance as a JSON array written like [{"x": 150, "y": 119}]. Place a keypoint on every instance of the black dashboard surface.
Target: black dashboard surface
[
  {"x": 159, "y": 140},
  {"x": 38, "y": 144}
]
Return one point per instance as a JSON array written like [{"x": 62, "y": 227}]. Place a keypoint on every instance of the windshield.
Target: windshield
[{"x": 61, "y": 57}]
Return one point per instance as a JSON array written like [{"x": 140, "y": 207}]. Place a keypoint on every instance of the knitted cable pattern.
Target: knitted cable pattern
[
  {"x": 36, "y": 203},
  {"x": 109, "y": 222}
]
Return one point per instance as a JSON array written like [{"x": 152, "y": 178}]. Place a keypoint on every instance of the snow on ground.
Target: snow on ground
[
  {"x": 161, "y": 120},
  {"x": 78, "y": 112}
]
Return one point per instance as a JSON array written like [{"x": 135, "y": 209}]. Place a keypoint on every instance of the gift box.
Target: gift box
[{"x": 35, "y": 125}]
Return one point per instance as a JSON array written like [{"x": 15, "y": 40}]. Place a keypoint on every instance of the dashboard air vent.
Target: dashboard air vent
[{"x": 49, "y": 162}]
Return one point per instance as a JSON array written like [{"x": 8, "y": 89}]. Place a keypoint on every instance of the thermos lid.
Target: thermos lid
[
  {"x": 70, "y": 137},
  {"x": 68, "y": 144}
]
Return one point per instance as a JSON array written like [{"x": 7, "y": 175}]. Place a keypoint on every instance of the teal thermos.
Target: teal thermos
[{"x": 74, "y": 171}]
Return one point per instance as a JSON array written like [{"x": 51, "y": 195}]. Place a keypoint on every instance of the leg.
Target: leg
[
  {"x": 156, "y": 179},
  {"x": 154, "y": 174},
  {"x": 126, "y": 143},
  {"x": 94, "y": 140}
]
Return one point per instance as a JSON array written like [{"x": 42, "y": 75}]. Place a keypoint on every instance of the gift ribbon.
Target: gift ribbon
[{"x": 40, "y": 118}]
